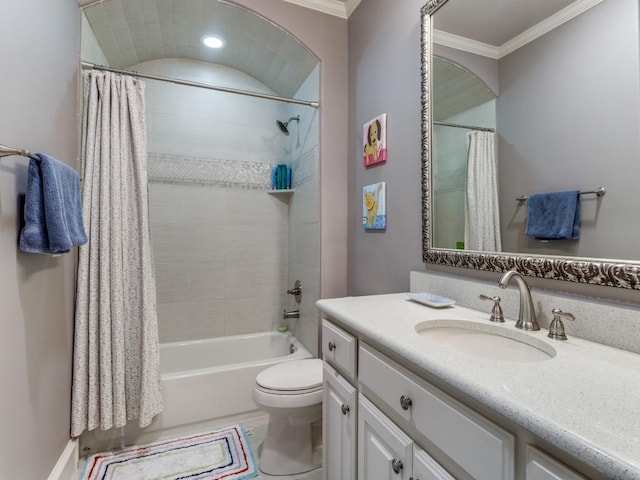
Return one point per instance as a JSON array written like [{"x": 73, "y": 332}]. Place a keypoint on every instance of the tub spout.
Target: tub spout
[{"x": 291, "y": 314}]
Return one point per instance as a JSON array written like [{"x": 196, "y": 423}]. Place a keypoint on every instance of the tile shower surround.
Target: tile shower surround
[{"x": 223, "y": 247}]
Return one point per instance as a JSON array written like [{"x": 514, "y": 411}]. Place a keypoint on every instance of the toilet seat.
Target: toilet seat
[
  {"x": 292, "y": 378},
  {"x": 293, "y": 384}
]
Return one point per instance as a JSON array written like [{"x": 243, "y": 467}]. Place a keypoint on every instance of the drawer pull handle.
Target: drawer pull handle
[
  {"x": 405, "y": 402},
  {"x": 396, "y": 465},
  {"x": 332, "y": 346},
  {"x": 345, "y": 409}
]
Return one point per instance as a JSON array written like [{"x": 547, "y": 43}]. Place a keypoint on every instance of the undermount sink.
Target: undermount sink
[{"x": 487, "y": 341}]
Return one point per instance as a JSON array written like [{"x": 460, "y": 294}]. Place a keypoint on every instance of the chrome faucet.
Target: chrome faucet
[
  {"x": 527, "y": 314},
  {"x": 290, "y": 314}
]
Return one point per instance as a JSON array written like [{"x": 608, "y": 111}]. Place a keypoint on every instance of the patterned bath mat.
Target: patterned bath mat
[{"x": 221, "y": 454}]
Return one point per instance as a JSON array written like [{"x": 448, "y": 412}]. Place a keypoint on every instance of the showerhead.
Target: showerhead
[{"x": 283, "y": 126}]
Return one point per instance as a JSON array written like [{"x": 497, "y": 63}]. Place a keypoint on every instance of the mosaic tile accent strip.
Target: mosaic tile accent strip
[{"x": 167, "y": 168}]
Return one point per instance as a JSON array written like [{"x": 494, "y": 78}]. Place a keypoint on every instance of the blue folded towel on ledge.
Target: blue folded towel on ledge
[
  {"x": 554, "y": 215},
  {"x": 52, "y": 210}
]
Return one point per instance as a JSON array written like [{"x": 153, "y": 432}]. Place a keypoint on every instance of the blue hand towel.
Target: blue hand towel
[
  {"x": 52, "y": 210},
  {"x": 554, "y": 215}
]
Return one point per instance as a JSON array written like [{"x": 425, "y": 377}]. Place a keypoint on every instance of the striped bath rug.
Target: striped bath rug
[{"x": 221, "y": 454}]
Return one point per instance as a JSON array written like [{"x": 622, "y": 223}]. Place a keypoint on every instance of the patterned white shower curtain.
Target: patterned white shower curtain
[
  {"x": 116, "y": 360},
  {"x": 482, "y": 216}
]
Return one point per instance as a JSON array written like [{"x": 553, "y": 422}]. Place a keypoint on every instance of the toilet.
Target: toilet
[{"x": 291, "y": 393}]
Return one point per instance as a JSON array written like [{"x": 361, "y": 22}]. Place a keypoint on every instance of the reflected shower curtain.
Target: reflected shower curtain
[
  {"x": 116, "y": 360},
  {"x": 482, "y": 216}
]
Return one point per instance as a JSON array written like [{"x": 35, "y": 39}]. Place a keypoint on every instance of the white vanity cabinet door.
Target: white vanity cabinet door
[
  {"x": 339, "y": 422},
  {"x": 340, "y": 349},
  {"x": 426, "y": 468},
  {"x": 541, "y": 466},
  {"x": 484, "y": 450},
  {"x": 384, "y": 451}
]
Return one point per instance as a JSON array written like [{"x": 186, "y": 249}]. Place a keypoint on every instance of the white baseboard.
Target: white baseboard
[{"x": 67, "y": 464}]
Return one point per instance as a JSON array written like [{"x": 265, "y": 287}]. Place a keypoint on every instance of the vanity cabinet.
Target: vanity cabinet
[
  {"x": 385, "y": 452},
  {"x": 478, "y": 446},
  {"x": 383, "y": 421},
  {"x": 339, "y": 414},
  {"x": 340, "y": 349},
  {"x": 541, "y": 466},
  {"x": 339, "y": 403}
]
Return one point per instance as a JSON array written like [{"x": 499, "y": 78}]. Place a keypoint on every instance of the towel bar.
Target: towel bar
[
  {"x": 8, "y": 151},
  {"x": 600, "y": 191}
]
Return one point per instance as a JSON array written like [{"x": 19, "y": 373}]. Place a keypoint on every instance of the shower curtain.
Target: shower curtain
[
  {"x": 116, "y": 375},
  {"x": 482, "y": 218}
]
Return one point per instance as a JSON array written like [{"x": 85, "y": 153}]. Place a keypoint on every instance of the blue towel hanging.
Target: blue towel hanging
[
  {"x": 554, "y": 215},
  {"x": 53, "y": 210}
]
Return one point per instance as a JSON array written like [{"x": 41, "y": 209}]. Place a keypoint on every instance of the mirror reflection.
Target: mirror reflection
[{"x": 546, "y": 103}]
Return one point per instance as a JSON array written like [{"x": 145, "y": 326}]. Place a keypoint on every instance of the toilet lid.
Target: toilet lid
[{"x": 293, "y": 375}]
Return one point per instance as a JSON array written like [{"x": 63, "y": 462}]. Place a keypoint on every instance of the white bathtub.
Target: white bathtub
[
  {"x": 213, "y": 378},
  {"x": 202, "y": 381}
]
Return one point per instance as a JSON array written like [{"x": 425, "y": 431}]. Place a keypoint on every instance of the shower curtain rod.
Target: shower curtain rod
[
  {"x": 188, "y": 83},
  {"x": 468, "y": 127}
]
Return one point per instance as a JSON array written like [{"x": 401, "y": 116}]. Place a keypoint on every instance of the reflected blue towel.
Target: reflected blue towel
[
  {"x": 554, "y": 215},
  {"x": 52, "y": 210}
]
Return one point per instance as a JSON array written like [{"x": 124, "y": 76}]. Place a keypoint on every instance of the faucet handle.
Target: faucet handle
[
  {"x": 556, "y": 329},
  {"x": 496, "y": 311}
]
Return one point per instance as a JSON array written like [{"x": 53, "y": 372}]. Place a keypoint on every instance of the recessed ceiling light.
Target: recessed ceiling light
[{"x": 212, "y": 41}]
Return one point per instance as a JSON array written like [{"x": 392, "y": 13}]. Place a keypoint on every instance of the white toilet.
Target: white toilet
[{"x": 291, "y": 393}]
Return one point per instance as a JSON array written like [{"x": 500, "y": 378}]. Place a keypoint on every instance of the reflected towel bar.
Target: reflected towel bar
[
  {"x": 8, "y": 151},
  {"x": 600, "y": 191}
]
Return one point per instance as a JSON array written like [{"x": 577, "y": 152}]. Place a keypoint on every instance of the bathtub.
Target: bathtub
[
  {"x": 202, "y": 381},
  {"x": 214, "y": 378}
]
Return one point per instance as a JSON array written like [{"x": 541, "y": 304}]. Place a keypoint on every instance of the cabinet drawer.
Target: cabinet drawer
[
  {"x": 339, "y": 348},
  {"x": 541, "y": 466},
  {"x": 484, "y": 450}
]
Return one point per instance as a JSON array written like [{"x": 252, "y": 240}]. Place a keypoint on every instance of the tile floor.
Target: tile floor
[{"x": 256, "y": 428}]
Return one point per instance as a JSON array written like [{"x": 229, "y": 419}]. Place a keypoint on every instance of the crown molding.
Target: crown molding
[
  {"x": 529, "y": 35},
  {"x": 465, "y": 44},
  {"x": 554, "y": 21},
  {"x": 336, "y": 8},
  {"x": 351, "y": 5}
]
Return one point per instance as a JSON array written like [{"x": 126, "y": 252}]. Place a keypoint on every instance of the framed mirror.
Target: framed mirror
[{"x": 565, "y": 81}]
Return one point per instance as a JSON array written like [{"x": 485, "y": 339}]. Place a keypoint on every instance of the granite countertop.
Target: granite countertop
[{"x": 585, "y": 400}]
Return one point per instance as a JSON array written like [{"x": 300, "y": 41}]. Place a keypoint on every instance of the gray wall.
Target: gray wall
[
  {"x": 384, "y": 77},
  {"x": 384, "y": 46},
  {"x": 568, "y": 118},
  {"x": 39, "y": 51}
]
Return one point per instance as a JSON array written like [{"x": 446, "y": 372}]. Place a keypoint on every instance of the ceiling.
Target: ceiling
[
  {"x": 135, "y": 31},
  {"x": 495, "y": 28},
  {"x": 456, "y": 90}
]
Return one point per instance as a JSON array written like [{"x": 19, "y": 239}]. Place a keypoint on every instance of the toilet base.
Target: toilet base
[{"x": 290, "y": 449}]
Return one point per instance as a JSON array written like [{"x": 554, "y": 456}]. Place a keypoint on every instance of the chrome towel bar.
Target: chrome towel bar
[
  {"x": 600, "y": 191},
  {"x": 8, "y": 151}
]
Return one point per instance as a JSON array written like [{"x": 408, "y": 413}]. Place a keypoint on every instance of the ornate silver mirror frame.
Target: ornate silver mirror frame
[{"x": 614, "y": 273}]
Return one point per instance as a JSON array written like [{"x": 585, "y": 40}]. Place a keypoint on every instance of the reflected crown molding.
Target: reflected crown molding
[
  {"x": 338, "y": 8},
  {"x": 529, "y": 35}
]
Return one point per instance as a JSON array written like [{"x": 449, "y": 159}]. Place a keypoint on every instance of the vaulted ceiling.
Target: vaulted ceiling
[{"x": 135, "y": 31}]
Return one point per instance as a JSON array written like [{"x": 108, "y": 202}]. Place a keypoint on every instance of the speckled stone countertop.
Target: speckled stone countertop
[{"x": 585, "y": 400}]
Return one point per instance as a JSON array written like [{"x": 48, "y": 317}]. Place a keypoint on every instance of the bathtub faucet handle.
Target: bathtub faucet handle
[{"x": 296, "y": 291}]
